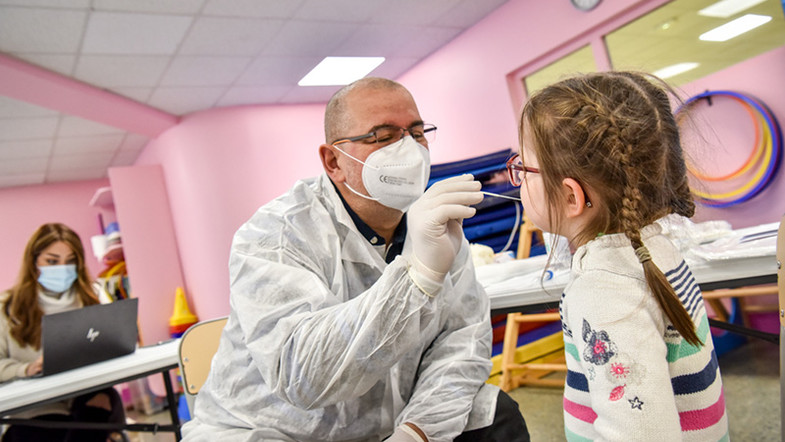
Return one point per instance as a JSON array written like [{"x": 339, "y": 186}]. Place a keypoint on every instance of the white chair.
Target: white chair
[{"x": 197, "y": 348}]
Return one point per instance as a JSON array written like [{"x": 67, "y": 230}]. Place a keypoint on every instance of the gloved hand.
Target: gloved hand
[
  {"x": 405, "y": 433},
  {"x": 434, "y": 224}
]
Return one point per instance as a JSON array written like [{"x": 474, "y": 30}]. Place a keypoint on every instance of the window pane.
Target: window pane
[
  {"x": 580, "y": 61},
  {"x": 668, "y": 36}
]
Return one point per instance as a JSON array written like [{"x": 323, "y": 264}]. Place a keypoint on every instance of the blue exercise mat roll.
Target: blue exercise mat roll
[
  {"x": 506, "y": 210},
  {"x": 490, "y": 228},
  {"x": 483, "y": 168},
  {"x": 445, "y": 170}
]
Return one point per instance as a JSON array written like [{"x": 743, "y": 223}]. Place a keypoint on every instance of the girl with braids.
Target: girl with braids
[
  {"x": 600, "y": 163},
  {"x": 53, "y": 279}
]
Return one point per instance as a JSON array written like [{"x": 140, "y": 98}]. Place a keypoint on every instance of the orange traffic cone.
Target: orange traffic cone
[{"x": 181, "y": 318}]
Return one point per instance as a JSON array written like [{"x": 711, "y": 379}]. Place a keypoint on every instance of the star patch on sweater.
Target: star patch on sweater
[
  {"x": 599, "y": 349},
  {"x": 636, "y": 403}
]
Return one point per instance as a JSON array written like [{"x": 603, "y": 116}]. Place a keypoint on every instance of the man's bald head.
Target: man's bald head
[{"x": 336, "y": 116}]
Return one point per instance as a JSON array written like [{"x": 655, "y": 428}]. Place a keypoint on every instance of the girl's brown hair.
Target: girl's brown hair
[
  {"x": 615, "y": 134},
  {"x": 21, "y": 307}
]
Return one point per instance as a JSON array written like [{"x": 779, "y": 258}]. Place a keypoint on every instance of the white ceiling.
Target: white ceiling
[{"x": 181, "y": 56}]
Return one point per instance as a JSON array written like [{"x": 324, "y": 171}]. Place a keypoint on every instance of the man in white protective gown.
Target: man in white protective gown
[{"x": 355, "y": 312}]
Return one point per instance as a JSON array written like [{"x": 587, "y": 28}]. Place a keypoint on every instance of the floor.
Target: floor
[
  {"x": 750, "y": 375},
  {"x": 161, "y": 418}
]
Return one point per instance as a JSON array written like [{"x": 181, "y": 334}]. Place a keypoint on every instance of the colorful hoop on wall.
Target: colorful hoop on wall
[{"x": 766, "y": 153}]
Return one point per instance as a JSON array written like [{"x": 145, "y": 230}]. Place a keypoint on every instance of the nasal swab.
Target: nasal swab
[{"x": 501, "y": 196}]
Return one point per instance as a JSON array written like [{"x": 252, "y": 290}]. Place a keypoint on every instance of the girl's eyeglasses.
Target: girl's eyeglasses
[{"x": 517, "y": 171}]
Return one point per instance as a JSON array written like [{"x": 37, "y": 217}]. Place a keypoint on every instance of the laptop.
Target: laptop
[{"x": 88, "y": 335}]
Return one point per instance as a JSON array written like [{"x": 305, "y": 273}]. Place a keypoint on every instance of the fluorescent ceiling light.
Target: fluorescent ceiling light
[
  {"x": 726, "y": 8},
  {"x": 675, "y": 69},
  {"x": 735, "y": 28},
  {"x": 338, "y": 71}
]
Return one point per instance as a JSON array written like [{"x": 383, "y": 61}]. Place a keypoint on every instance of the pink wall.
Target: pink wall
[
  {"x": 221, "y": 165},
  {"x": 475, "y": 112},
  {"x": 24, "y": 209},
  {"x": 151, "y": 253},
  {"x": 760, "y": 77},
  {"x": 462, "y": 88}
]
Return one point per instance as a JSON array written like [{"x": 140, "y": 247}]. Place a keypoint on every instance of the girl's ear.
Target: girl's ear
[{"x": 575, "y": 197}]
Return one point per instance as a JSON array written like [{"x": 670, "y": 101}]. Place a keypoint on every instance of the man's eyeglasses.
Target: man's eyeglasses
[
  {"x": 384, "y": 135},
  {"x": 518, "y": 171}
]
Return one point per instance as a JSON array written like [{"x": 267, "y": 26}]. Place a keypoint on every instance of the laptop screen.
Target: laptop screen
[{"x": 88, "y": 335}]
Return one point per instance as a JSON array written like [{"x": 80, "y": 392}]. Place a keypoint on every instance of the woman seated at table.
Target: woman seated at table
[{"x": 53, "y": 279}]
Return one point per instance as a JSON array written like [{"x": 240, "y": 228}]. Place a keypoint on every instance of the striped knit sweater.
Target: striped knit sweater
[{"x": 631, "y": 376}]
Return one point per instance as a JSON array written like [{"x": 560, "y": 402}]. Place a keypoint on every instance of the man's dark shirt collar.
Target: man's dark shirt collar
[{"x": 399, "y": 235}]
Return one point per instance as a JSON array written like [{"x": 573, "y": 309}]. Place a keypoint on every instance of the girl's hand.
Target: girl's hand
[{"x": 35, "y": 367}]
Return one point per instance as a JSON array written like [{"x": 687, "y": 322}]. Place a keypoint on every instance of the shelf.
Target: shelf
[{"x": 103, "y": 198}]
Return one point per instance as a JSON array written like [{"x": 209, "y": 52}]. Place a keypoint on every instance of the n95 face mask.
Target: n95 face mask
[
  {"x": 395, "y": 175},
  {"x": 57, "y": 278}
]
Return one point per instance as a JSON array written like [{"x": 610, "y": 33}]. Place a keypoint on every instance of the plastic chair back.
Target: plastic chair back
[{"x": 197, "y": 348}]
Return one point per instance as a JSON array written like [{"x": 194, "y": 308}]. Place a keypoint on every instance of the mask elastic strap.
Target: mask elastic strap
[
  {"x": 364, "y": 165},
  {"x": 359, "y": 194},
  {"x": 355, "y": 159}
]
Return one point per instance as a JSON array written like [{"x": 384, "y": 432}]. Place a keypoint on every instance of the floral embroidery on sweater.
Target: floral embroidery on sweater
[
  {"x": 599, "y": 349},
  {"x": 616, "y": 366},
  {"x": 619, "y": 370}
]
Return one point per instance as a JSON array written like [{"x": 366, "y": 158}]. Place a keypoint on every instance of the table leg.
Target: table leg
[{"x": 172, "y": 405}]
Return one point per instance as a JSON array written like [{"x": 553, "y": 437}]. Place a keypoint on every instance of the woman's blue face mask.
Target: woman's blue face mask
[{"x": 57, "y": 278}]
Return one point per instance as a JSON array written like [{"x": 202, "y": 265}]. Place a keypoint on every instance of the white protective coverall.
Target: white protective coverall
[{"x": 325, "y": 341}]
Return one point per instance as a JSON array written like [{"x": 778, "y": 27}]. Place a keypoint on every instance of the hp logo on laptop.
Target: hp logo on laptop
[{"x": 92, "y": 334}]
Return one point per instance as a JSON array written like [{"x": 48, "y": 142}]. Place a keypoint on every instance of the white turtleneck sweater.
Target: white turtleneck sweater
[{"x": 14, "y": 358}]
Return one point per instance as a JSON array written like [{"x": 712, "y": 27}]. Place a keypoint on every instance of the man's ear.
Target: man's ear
[
  {"x": 330, "y": 163},
  {"x": 576, "y": 198}
]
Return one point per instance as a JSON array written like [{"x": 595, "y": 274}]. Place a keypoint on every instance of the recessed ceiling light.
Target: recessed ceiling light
[
  {"x": 667, "y": 24},
  {"x": 726, "y": 8},
  {"x": 735, "y": 28},
  {"x": 675, "y": 69},
  {"x": 338, "y": 71}
]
